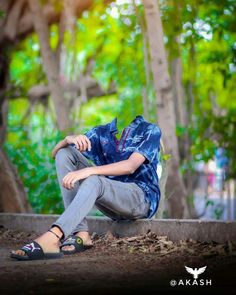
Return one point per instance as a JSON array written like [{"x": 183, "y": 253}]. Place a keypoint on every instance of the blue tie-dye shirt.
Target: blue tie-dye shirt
[{"x": 139, "y": 136}]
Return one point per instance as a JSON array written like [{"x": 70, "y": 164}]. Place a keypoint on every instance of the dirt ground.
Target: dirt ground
[{"x": 136, "y": 265}]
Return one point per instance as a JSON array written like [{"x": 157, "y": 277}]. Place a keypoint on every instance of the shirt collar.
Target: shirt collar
[
  {"x": 138, "y": 119},
  {"x": 113, "y": 125}
]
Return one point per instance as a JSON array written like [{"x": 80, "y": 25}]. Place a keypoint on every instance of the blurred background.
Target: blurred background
[{"x": 66, "y": 66}]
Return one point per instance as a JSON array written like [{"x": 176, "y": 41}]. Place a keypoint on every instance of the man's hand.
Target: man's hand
[
  {"x": 81, "y": 142},
  {"x": 70, "y": 179}
]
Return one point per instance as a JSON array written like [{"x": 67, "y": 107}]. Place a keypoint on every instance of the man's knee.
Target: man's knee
[
  {"x": 94, "y": 180},
  {"x": 63, "y": 155}
]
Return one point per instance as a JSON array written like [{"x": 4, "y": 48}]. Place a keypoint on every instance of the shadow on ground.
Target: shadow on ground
[{"x": 136, "y": 265}]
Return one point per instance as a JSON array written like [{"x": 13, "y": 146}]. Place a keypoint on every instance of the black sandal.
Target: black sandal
[
  {"x": 75, "y": 241},
  {"x": 34, "y": 251}
]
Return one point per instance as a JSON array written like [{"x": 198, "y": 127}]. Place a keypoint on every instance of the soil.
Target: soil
[{"x": 143, "y": 264}]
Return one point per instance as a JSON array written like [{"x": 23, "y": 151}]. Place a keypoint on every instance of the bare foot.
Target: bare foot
[
  {"x": 48, "y": 241},
  {"x": 84, "y": 235}
]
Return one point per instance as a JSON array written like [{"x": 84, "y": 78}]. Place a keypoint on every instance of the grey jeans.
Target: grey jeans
[{"x": 117, "y": 200}]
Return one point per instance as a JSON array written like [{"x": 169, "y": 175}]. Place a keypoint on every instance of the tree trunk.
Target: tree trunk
[
  {"x": 163, "y": 179},
  {"x": 4, "y": 8},
  {"x": 145, "y": 100},
  {"x": 176, "y": 75},
  {"x": 183, "y": 119},
  {"x": 175, "y": 190},
  {"x": 180, "y": 109},
  {"x": 50, "y": 66},
  {"x": 68, "y": 58},
  {"x": 3, "y": 83},
  {"x": 190, "y": 94},
  {"x": 12, "y": 194}
]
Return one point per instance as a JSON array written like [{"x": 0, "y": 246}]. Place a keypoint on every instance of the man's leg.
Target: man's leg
[
  {"x": 70, "y": 159},
  {"x": 122, "y": 200},
  {"x": 118, "y": 199},
  {"x": 67, "y": 159}
]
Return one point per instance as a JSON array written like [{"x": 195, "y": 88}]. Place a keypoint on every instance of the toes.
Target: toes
[
  {"x": 18, "y": 252},
  {"x": 68, "y": 248}
]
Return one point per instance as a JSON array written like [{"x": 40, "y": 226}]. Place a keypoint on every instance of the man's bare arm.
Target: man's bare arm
[
  {"x": 124, "y": 167},
  {"x": 120, "y": 168}
]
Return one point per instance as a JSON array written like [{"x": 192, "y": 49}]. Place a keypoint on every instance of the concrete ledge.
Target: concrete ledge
[{"x": 174, "y": 229}]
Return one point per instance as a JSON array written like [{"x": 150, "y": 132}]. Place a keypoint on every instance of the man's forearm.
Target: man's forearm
[
  {"x": 119, "y": 168},
  {"x": 125, "y": 167},
  {"x": 60, "y": 145}
]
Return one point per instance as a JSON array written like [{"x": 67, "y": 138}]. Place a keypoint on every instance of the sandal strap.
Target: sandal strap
[
  {"x": 33, "y": 250},
  {"x": 72, "y": 240},
  {"x": 54, "y": 234}
]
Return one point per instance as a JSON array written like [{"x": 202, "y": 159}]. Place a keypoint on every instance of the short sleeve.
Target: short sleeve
[
  {"x": 150, "y": 144},
  {"x": 92, "y": 135}
]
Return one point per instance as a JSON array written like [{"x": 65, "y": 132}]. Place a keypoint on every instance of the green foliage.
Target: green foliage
[
  {"x": 206, "y": 34},
  {"x": 37, "y": 172},
  {"x": 99, "y": 111},
  {"x": 107, "y": 43},
  {"x": 2, "y": 14},
  {"x": 166, "y": 157},
  {"x": 26, "y": 64},
  {"x": 29, "y": 148}
]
